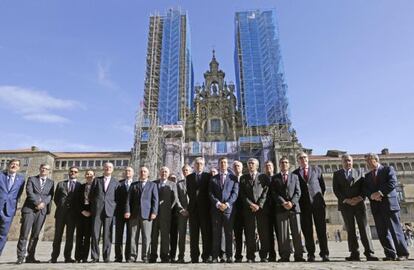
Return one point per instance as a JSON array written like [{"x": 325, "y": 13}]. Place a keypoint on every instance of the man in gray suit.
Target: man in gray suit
[
  {"x": 254, "y": 192},
  {"x": 182, "y": 216},
  {"x": 39, "y": 191},
  {"x": 285, "y": 190},
  {"x": 103, "y": 204},
  {"x": 312, "y": 205},
  {"x": 141, "y": 209},
  {"x": 348, "y": 188},
  {"x": 168, "y": 198}
]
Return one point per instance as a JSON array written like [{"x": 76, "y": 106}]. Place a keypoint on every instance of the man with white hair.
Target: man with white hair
[{"x": 168, "y": 199}]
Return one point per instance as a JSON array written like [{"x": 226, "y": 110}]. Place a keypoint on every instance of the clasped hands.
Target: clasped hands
[
  {"x": 353, "y": 201},
  {"x": 376, "y": 196},
  {"x": 40, "y": 206},
  {"x": 222, "y": 206}
]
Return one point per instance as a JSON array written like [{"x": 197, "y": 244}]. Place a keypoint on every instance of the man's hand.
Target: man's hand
[
  {"x": 254, "y": 207},
  {"x": 223, "y": 207},
  {"x": 86, "y": 213},
  {"x": 40, "y": 206},
  {"x": 287, "y": 205},
  {"x": 153, "y": 216},
  {"x": 184, "y": 213},
  {"x": 127, "y": 215},
  {"x": 376, "y": 196}
]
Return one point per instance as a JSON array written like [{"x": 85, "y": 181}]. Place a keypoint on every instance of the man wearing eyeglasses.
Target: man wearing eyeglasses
[
  {"x": 39, "y": 191},
  {"x": 67, "y": 197}
]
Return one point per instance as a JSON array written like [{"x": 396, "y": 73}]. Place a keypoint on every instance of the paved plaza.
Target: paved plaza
[{"x": 338, "y": 253}]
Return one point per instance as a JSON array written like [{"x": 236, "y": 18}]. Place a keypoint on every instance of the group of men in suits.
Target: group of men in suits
[{"x": 220, "y": 206}]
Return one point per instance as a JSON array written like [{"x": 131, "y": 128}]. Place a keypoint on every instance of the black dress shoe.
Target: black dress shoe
[
  {"x": 118, "y": 260},
  {"x": 32, "y": 260},
  {"x": 311, "y": 258},
  {"x": 325, "y": 258},
  {"x": 250, "y": 261},
  {"x": 238, "y": 260},
  {"x": 214, "y": 261},
  {"x": 353, "y": 259},
  {"x": 388, "y": 259},
  {"x": 94, "y": 261},
  {"x": 283, "y": 260},
  {"x": 401, "y": 258},
  {"x": 300, "y": 259},
  {"x": 264, "y": 260},
  {"x": 145, "y": 261},
  {"x": 52, "y": 261},
  {"x": 106, "y": 261},
  {"x": 180, "y": 261},
  {"x": 372, "y": 258},
  {"x": 19, "y": 260},
  {"x": 70, "y": 260},
  {"x": 229, "y": 260},
  {"x": 194, "y": 260},
  {"x": 272, "y": 259}
]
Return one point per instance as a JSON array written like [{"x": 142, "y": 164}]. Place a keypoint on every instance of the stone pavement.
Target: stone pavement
[{"x": 338, "y": 253}]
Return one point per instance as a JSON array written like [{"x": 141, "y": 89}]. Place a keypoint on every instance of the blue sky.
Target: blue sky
[{"x": 72, "y": 72}]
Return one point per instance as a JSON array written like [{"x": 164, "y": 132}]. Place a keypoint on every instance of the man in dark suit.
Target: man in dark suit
[
  {"x": 312, "y": 206},
  {"x": 103, "y": 204},
  {"x": 11, "y": 188},
  {"x": 269, "y": 171},
  {"x": 199, "y": 211},
  {"x": 380, "y": 187},
  {"x": 238, "y": 220},
  {"x": 168, "y": 198},
  {"x": 223, "y": 192},
  {"x": 121, "y": 222},
  {"x": 141, "y": 209},
  {"x": 254, "y": 191},
  {"x": 67, "y": 196},
  {"x": 347, "y": 186},
  {"x": 285, "y": 190},
  {"x": 84, "y": 225},
  {"x": 182, "y": 216},
  {"x": 39, "y": 190}
]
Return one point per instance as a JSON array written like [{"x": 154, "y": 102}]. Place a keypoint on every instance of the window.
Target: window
[
  {"x": 98, "y": 163},
  {"x": 328, "y": 169},
  {"x": 215, "y": 125},
  {"x": 90, "y": 163},
  {"x": 84, "y": 163},
  {"x": 125, "y": 162},
  {"x": 118, "y": 163},
  {"x": 70, "y": 163},
  {"x": 221, "y": 147},
  {"x": 63, "y": 164},
  {"x": 77, "y": 163},
  {"x": 196, "y": 148},
  {"x": 57, "y": 164}
]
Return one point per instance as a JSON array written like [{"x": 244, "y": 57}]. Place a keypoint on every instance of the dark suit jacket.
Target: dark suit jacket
[
  {"x": 143, "y": 202},
  {"x": 35, "y": 195},
  {"x": 67, "y": 203},
  {"x": 386, "y": 182},
  {"x": 101, "y": 200},
  {"x": 82, "y": 205},
  {"x": 226, "y": 194},
  {"x": 346, "y": 189},
  {"x": 198, "y": 193},
  {"x": 254, "y": 193},
  {"x": 312, "y": 190},
  {"x": 282, "y": 193},
  {"x": 121, "y": 196},
  {"x": 9, "y": 199}
]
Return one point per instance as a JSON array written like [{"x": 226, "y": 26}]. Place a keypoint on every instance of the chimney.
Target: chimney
[
  {"x": 34, "y": 148},
  {"x": 385, "y": 151}
]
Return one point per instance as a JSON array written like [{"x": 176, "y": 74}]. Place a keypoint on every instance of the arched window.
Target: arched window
[{"x": 215, "y": 125}]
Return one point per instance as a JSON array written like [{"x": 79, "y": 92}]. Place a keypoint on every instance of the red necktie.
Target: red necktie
[
  {"x": 305, "y": 174},
  {"x": 285, "y": 178},
  {"x": 222, "y": 180}
]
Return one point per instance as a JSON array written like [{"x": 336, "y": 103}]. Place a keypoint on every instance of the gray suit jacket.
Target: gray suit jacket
[
  {"x": 312, "y": 190},
  {"x": 253, "y": 192},
  {"x": 102, "y": 200},
  {"x": 168, "y": 198},
  {"x": 182, "y": 193},
  {"x": 36, "y": 195},
  {"x": 282, "y": 193}
]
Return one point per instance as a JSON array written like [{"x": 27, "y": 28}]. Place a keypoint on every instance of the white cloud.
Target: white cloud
[
  {"x": 35, "y": 105},
  {"x": 104, "y": 76}
]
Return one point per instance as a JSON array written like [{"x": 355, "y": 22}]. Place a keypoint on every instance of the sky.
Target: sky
[{"x": 72, "y": 72}]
